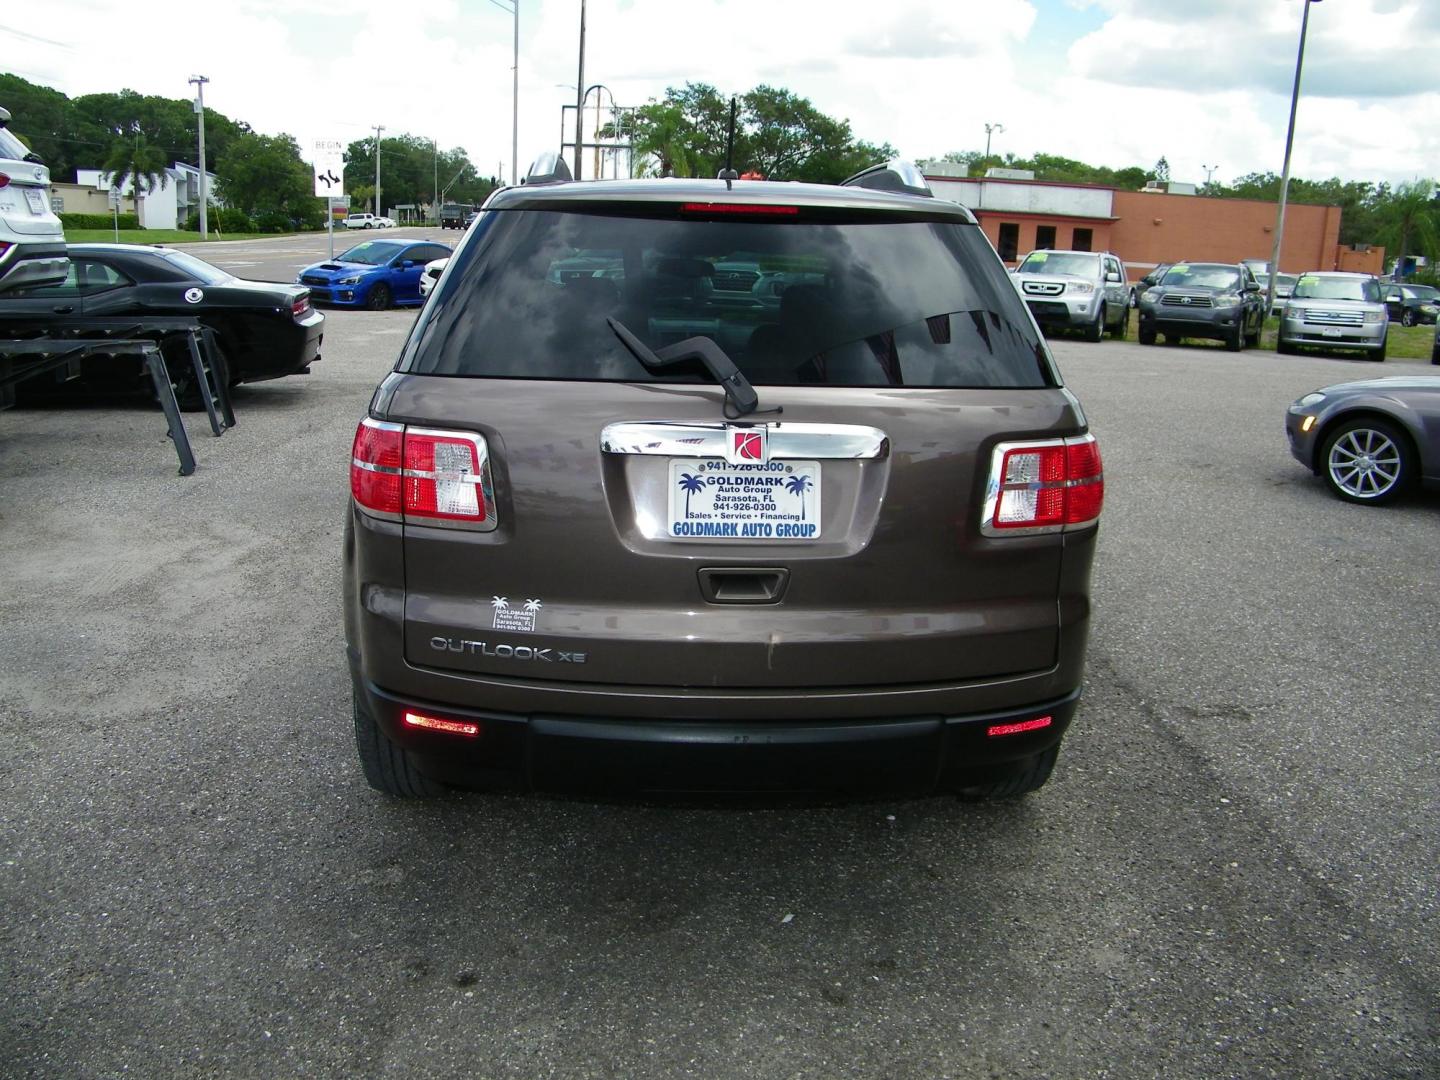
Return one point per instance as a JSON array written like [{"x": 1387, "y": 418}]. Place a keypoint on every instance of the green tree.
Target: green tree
[
  {"x": 1161, "y": 170},
  {"x": 1406, "y": 220},
  {"x": 264, "y": 177},
  {"x": 138, "y": 164}
]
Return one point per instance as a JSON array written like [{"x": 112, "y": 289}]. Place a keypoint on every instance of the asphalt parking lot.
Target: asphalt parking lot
[{"x": 1232, "y": 873}]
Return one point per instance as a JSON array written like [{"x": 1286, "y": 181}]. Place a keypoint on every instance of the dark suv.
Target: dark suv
[{"x": 636, "y": 529}]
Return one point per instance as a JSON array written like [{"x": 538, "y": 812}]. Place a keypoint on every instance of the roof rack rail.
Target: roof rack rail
[
  {"x": 894, "y": 175},
  {"x": 548, "y": 168}
]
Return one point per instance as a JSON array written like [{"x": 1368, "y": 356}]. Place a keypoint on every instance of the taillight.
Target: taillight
[
  {"x": 445, "y": 475},
  {"x": 435, "y": 723},
  {"x": 4, "y": 180},
  {"x": 300, "y": 305},
  {"x": 422, "y": 474},
  {"x": 375, "y": 466},
  {"x": 744, "y": 209},
  {"x": 1000, "y": 730},
  {"x": 1043, "y": 486}
]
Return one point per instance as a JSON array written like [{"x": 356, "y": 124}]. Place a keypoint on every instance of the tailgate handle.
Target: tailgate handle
[{"x": 744, "y": 584}]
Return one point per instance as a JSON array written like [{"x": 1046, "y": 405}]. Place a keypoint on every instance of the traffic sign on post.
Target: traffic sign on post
[{"x": 329, "y": 162}]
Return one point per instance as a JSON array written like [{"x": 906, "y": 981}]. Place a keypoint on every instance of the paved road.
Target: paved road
[
  {"x": 280, "y": 258},
  {"x": 1231, "y": 875}
]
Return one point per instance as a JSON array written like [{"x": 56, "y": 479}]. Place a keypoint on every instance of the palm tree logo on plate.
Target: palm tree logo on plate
[
  {"x": 500, "y": 603},
  {"x": 691, "y": 485},
  {"x": 532, "y": 606},
  {"x": 799, "y": 485}
]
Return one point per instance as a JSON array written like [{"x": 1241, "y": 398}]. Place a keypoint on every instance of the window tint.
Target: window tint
[
  {"x": 94, "y": 277},
  {"x": 195, "y": 268},
  {"x": 874, "y": 304}
]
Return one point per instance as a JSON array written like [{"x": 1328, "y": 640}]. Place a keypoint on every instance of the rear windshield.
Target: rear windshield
[
  {"x": 1060, "y": 262},
  {"x": 11, "y": 147},
  {"x": 1314, "y": 287},
  {"x": 1202, "y": 277},
  {"x": 196, "y": 268},
  {"x": 889, "y": 303}
]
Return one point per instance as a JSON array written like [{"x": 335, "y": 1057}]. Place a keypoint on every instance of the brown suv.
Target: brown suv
[{"x": 822, "y": 521}]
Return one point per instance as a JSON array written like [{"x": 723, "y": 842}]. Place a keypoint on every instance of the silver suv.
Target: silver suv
[
  {"x": 1081, "y": 290},
  {"x": 32, "y": 242},
  {"x": 1335, "y": 311}
]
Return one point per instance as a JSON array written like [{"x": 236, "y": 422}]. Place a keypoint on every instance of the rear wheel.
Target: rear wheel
[
  {"x": 1096, "y": 330},
  {"x": 1031, "y": 776},
  {"x": 1367, "y": 460},
  {"x": 188, "y": 394},
  {"x": 387, "y": 767},
  {"x": 379, "y": 298}
]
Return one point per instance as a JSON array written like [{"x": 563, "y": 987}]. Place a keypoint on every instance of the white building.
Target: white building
[{"x": 170, "y": 205}]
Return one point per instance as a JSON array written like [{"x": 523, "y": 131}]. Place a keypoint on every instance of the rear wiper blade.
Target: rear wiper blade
[{"x": 738, "y": 391}]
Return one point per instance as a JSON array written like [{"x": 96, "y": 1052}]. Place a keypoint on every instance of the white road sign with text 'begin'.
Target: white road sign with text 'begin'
[{"x": 328, "y": 156}]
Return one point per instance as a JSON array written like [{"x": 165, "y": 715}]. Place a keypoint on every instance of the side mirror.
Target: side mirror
[
  {"x": 1252, "y": 286},
  {"x": 1112, "y": 276},
  {"x": 407, "y": 264}
]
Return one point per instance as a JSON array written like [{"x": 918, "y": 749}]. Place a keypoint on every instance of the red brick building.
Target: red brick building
[{"x": 1149, "y": 227}]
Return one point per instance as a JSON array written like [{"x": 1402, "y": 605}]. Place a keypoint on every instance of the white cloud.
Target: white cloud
[{"x": 1151, "y": 78}]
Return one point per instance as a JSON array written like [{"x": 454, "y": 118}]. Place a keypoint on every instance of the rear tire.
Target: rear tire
[
  {"x": 1029, "y": 778},
  {"x": 387, "y": 767},
  {"x": 187, "y": 390},
  {"x": 1096, "y": 330}
]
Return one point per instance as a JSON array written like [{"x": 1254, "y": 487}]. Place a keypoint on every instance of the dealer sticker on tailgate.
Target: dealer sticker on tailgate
[{"x": 713, "y": 499}]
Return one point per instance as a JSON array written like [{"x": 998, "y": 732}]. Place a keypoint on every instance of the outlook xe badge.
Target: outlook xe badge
[{"x": 746, "y": 446}]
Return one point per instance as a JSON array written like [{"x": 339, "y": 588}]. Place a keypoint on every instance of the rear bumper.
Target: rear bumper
[{"x": 591, "y": 754}]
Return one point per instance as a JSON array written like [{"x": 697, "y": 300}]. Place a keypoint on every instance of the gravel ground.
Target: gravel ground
[{"x": 1231, "y": 875}]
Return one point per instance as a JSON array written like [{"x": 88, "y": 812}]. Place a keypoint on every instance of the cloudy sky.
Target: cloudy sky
[{"x": 1113, "y": 82}]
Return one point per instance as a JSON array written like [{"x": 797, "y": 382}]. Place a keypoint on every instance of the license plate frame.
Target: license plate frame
[
  {"x": 771, "y": 502},
  {"x": 36, "y": 200},
  {"x": 1330, "y": 332}
]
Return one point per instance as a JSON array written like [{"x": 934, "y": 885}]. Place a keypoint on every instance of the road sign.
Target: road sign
[
  {"x": 328, "y": 156},
  {"x": 329, "y": 179}
]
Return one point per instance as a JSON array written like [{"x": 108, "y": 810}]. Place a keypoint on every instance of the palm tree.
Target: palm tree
[
  {"x": 499, "y": 603},
  {"x": 1408, "y": 220},
  {"x": 533, "y": 606},
  {"x": 661, "y": 132},
  {"x": 135, "y": 161},
  {"x": 798, "y": 485},
  {"x": 690, "y": 484}
]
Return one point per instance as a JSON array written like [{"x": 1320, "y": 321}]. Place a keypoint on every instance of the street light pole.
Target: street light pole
[
  {"x": 580, "y": 95},
  {"x": 200, "y": 81},
  {"x": 988, "y": 129},
  {"x": 435, "y": 149},
  {"x": 514, "y": 108},
  {"x": 1285, "y": 173},
  {"x": 378, "y": 130}
]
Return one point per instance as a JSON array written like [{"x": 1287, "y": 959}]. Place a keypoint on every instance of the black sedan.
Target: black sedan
[
  {"x": 264, "y": 330},
  {"x": 1372, "y": 440},
  {"x": 1410, "y": 305}
]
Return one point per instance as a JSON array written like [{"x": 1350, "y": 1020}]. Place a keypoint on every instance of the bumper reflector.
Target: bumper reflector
[
  {"x": 433, "y": 723},
  {"x": 1010, "y": 729}
]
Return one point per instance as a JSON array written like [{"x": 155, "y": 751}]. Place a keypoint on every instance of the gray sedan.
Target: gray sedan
[{"x": 1370, "y": 441}]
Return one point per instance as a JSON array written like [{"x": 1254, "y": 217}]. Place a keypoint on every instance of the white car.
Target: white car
[
  {"x": 363, "y": 221},
  {"x": 384, "y": 223},
  {"x": 431, "y": 275},
  {"x": 32, "y": 241}
]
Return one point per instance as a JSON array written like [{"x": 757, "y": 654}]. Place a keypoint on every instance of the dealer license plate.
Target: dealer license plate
[
  {"x": 710, "y": 499},
  {"x": 1329, "y": 333},
  {"x": 36, "y": 198}
]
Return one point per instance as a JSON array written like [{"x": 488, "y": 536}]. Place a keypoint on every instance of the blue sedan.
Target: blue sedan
[{"x": 376, "y": 274}]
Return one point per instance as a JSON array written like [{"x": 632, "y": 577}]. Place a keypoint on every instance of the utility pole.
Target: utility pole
[
  {"x": 378, "y": 211},
  {"x": 580, "y": 95},
  {"x": 200, "y": 81},
  {"x": 1285, "y": 173},
  {"x": 514, "y": 109},
  {"x": 435, "y": 148}
]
